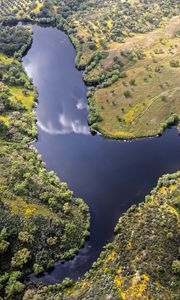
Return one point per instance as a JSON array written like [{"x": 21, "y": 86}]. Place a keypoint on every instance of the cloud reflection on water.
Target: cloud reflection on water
[
  {"x": 81, "y": 104},
  {"x": 67, "y": 126}
]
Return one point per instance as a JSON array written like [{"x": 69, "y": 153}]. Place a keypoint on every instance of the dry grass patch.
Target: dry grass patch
[{"x": 139, "y": 104}]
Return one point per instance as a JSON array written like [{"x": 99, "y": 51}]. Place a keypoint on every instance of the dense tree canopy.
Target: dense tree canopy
[{"x": 14, "y": 39}]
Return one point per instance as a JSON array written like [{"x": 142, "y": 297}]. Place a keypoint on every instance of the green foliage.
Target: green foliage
[
  {"x": 176, "y": 267},
  {"x": 14, "y": 286},
  {"x": 143, "y": 260},
  {"x": 14, "y": 40},
  {"x": 127, "y": 94},
  {"x": 20, "y": 258},
  {"x": 3, "y": 246},
  {"x": 132, "y": 82},
  {"x": 41, "y": 222},
  {"x": 37, "y": 268}
]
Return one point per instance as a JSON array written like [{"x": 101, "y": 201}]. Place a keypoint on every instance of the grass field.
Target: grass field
[{"x": 142, "y": 102}]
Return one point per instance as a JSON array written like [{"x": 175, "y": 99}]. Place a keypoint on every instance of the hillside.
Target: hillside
[{"x": 142, "y": 262}]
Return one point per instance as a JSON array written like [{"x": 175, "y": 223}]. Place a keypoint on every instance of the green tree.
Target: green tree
[{"x": 20, "y": 258}]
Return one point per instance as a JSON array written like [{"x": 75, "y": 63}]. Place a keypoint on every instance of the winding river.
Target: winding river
[{"x": 109, "y": 175}]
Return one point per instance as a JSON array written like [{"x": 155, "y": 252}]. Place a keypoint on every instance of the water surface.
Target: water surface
[{"x": 109, "y": 175}]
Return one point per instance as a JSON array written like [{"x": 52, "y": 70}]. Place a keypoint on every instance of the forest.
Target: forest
[{"x": 130, "y": 54}]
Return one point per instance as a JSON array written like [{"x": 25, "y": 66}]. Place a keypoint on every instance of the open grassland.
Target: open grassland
[
  {"x": 146, "y": 99},
  {"x": 142, "y": 262}
]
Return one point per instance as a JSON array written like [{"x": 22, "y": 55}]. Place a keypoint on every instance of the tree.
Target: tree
[
  {"x": 176, "y": 267},
  {"x": 3, "y": 246},
  {"x": 14, "y": 286},
  {"x": 132, "y": 82},
  {"x": 25, "y": 236},
  {"x": 92, "y": 46},
  {"x": 127, "y": 94},
  {"x": 175, "y": 63},
  {"x": 20, "y": 258}
]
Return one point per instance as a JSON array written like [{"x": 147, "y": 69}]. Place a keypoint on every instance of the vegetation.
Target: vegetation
[
  {"x": 15, "y": 40},
  {"x": 118, "y": 43},
  {"x": 142, "y": 262},
  {"x": 16, "y": 90},
  {"x": 41, "y": 222},
  {"x": 149, "y": 80},
  {"x": 130, "y": 54},
  {"x": 18, "y": 7}
]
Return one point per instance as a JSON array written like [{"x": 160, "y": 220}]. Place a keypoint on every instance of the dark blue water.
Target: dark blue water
[{"x": 109, "y": 175}]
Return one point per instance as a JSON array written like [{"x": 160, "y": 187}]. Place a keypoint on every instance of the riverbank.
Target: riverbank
[{"x": 41, "y": 221}]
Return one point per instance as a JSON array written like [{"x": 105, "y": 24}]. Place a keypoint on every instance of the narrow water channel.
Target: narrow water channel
[{"x": 109, "y": 175}]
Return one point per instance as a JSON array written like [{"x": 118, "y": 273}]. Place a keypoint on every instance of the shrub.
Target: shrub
[
  {"x": 176, "y": 266},
  {"x": 127, "y": 94}
]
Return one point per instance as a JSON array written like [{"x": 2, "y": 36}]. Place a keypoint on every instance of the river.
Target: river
[{"x": 109, "y": 175}]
